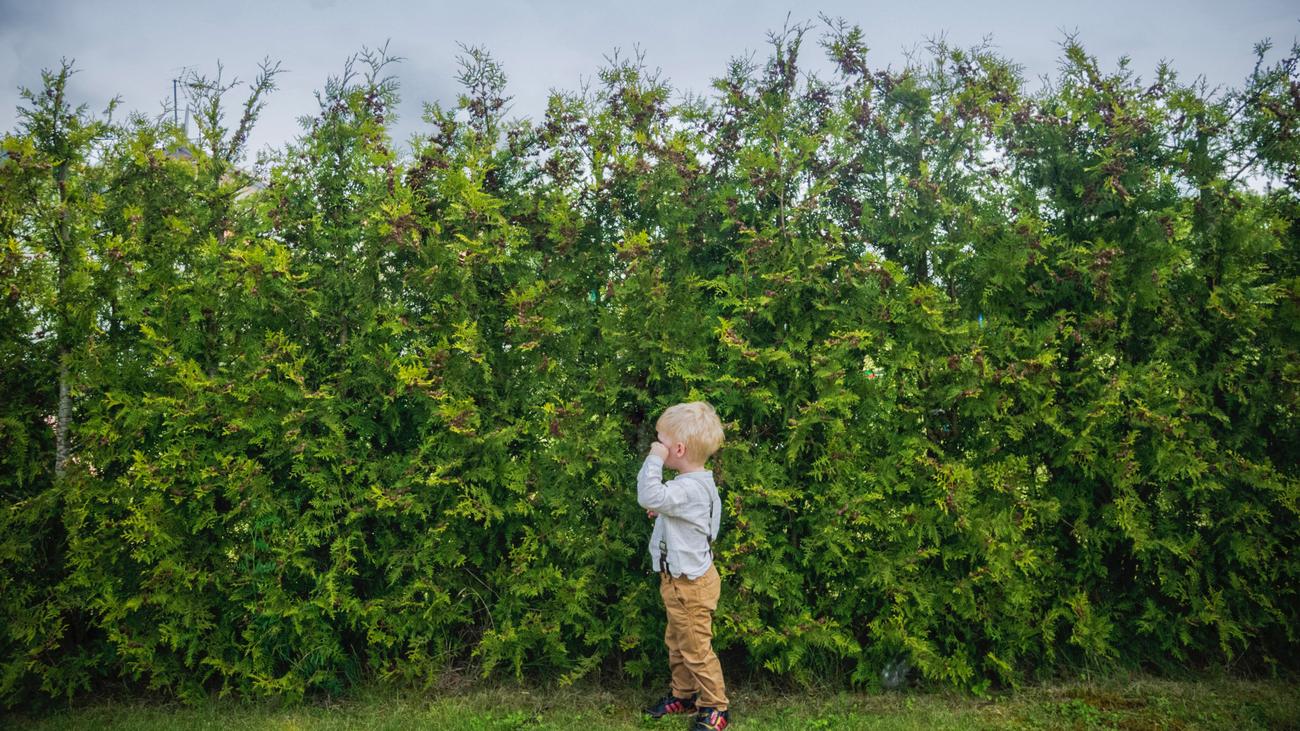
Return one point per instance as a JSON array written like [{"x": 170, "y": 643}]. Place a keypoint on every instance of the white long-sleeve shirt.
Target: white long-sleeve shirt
[{"x": 684, "y": 523}]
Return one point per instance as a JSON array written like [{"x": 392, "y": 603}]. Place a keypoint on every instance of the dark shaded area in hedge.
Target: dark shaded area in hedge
[{"x": 1009, "y": 377}]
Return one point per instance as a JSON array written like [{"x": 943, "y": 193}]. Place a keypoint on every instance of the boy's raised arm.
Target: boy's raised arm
[{"x": 653, "y": 494}]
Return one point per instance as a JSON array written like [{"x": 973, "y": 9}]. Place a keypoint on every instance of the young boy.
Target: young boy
[{"x": 687, "y": 514}]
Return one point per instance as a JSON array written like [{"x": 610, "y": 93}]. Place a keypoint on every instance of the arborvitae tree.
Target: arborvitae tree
[
  {"x": 62, "y": 140},
  {"x": 166, "y": 483},
  {"x": 1009, "y": 376},
  {"x": 53, "y": 193}
]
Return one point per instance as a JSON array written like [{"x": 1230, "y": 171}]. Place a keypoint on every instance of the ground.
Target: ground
[{"x": 1118, "y": 702}]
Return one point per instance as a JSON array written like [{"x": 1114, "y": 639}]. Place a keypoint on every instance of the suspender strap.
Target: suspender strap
[{"x": 708, "y": 529}]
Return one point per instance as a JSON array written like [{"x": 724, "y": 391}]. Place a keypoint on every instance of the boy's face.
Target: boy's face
[{"x": 676, "y": 451}]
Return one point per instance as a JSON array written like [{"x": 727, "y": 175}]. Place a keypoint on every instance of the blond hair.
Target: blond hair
[{"x": 696, "y": 425}]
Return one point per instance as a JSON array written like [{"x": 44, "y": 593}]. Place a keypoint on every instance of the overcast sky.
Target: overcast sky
[{"x": 135, "y": 48}]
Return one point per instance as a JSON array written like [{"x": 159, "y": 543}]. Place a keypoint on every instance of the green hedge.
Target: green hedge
[{"x": 1009, "y": 377}]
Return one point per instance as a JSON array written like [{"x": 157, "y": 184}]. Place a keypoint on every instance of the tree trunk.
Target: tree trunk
[
  {"x": 65, "y": 255},
  {"x": 64, "y": 417}
]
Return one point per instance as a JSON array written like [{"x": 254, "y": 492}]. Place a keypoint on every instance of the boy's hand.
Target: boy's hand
[
  {"x": 651, "y": 514},
  {"x": 659, "y": 450}
]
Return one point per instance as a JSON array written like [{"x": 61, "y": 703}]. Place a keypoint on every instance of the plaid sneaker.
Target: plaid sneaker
[
  {"x": 671, "y": 704},
  {"x": 710, "y": 719}
]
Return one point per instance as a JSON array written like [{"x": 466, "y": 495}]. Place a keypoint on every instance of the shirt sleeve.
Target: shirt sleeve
[{"x": 652, "y": 493}]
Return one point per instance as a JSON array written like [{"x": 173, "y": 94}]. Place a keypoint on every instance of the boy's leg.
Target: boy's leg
[
  {"x": 683, "y": 682},
  {"x": 696, "y": 602}
]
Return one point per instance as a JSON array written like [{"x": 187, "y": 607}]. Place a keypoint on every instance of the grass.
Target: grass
[{"x": 1122, "y": 702}]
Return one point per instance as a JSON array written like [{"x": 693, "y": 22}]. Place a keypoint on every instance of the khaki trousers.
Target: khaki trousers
[{"x": 690, "y": 605}]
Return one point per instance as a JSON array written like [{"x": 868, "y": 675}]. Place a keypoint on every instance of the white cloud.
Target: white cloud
[{"x": 136, "y": 48}]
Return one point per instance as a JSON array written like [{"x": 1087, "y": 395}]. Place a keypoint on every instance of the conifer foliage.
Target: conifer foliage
[{"x": 1009, "y": 376}]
